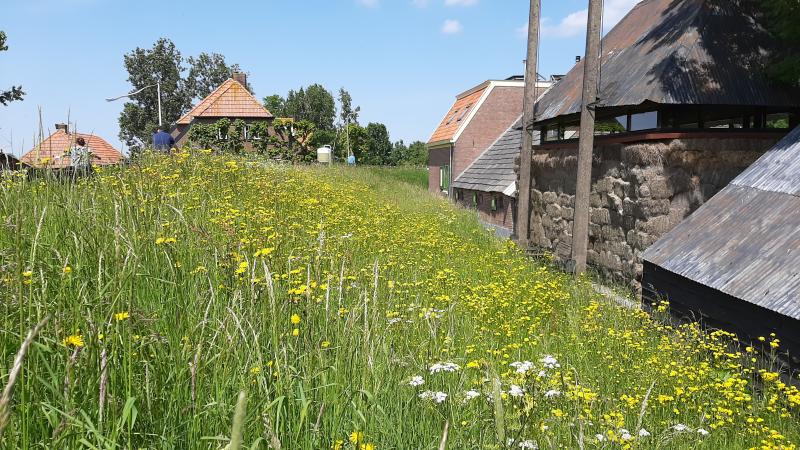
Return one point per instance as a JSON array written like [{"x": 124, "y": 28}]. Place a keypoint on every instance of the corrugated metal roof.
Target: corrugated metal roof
[
  {"x": 745, "y": 241},
  {"x": 493, "y": 170},
  {"x": 696, "y": 52}
]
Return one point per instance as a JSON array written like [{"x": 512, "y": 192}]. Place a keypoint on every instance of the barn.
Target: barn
[{"x": 736, "y": 260}]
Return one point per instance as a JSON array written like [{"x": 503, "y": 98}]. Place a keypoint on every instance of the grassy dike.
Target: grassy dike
[{"x": 351, "y": 309}]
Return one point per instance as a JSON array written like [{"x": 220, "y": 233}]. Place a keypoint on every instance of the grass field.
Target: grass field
[{"x": 204, "y": 301}]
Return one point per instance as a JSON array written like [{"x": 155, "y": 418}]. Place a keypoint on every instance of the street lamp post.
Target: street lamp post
[{"x": 158, "y": 90}]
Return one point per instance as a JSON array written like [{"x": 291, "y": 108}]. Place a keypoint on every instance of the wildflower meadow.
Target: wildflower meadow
[{"x": 206, "y": 301}]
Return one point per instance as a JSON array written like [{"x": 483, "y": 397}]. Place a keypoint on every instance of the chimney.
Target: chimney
[
  {"x": 62, "y": 126},
  {"x": 577, "y": 59},
  {"x": 241, "y": 78}
]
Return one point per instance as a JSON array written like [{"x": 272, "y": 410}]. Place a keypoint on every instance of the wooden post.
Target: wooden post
[
  {"x": 528, "y": 103},
  {"x": 583, "y": 184}
]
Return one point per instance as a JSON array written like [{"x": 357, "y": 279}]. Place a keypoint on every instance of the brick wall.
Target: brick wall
[
  {"x": 436, "y": 159},
  {"x": 503, "y": 216},
  {"x": 500, "y": 109}
]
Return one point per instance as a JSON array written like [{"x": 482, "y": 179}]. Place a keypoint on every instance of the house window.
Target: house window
[
  {"x": 464, "y": 113},
  {"x": 475, "y": 199},
  {"x": 494, "y": 203},
  {"x": 644, "y": 121},
  {"x": 444, "y": 178},
  {"x": 222, "y": 134},
  {"x": 250, "y": 133},
  {"x": 455, "y": 113}
]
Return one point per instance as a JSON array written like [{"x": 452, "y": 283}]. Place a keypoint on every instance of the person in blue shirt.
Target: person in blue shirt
[
  {"x": 162, "y": 141},
  {"x": 351, "y": 160}
]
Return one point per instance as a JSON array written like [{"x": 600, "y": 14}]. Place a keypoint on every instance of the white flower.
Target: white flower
[
  {"x": 417, "y": 381},
  {"x": 550, "y": 362},
  {"x": 528, "y": 444},
  {"x": 643, "y": 433},
  {"x": 541, "y": 374},
  {"x": 680, "y": 427},
  {"x": 437, "y": 397},
  {"x": 599, "y": 437},
  {"x": 444, "y": 367},
  {"x": 625, "y": 435},
  {"x": 702, "y": 432},
  {"x": 552, "y": 393},
  {"x": 516, "y": 391},
  {"x": 470, "y": 394},
  {"x": 522, "y": 366},
  {"x": 394, "y": 320}
]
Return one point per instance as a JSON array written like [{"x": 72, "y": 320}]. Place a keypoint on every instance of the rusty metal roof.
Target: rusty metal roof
[
  {"x": 745, "y": 241},
  {"x": 689, "y": 52}
]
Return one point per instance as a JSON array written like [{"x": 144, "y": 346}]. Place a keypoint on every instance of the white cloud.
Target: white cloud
[
  {"x": 574, "y": 24},
  {"x": 452, "y": 27},
  {"x": 460, "y": 2},
  {"x": 368, "y": 3}
]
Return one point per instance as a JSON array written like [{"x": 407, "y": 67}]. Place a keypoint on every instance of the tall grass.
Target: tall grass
[{"x": 345, "y": 309}]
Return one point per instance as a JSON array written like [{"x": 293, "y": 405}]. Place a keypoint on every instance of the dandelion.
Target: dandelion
[
  {"x": 66, "y": 270},
  {"x": 516, "y": 391},
  {"x": 296, "y": 332},
  {"x": 444, "y": 367},
  {"x": 473, "y": 364},
  {"x": 356, "y": 437},
  {"x": 255, "y": 370},
  {"x": 416, "y": 381},
  {"x": 120, "y": 316},
  {"x": 325, "y": 344},
  {"x": 338, "y": 445},
  {"x": 75, "y": 340},
  {"x": 295, "y": 319},
  {"x": 367, "y": 446}
]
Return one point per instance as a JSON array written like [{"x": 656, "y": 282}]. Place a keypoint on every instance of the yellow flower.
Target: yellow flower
[
  {"x": 67, "y": 270},
  {"x": 120, "y": 316},
  {"x": 367, "y": 446},
  {"x": 356, "y": 437},
  {"x": 326, "y": 344},
  {"x": 76, "y": 340},
  {"x": 296, "y": 332},
  {"x": 338, "y": 445},
  {"x": 27, "y": 273},
  {"x": 473, "y": 364},
  {"x": 255, "y": 370},
  {"x": 295, "y": 319}
]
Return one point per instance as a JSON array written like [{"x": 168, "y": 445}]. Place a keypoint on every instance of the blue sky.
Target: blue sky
[{"x": 403, "y": 61}]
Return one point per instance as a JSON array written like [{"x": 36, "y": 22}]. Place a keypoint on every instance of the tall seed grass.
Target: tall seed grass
[{"x": 181, "y": 287}]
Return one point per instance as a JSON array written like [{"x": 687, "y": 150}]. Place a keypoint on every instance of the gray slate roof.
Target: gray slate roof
[
  {"x": 745, "y": 241},
  {"x": 695, "y": 52},
  {"x": 493, "y": 170}
]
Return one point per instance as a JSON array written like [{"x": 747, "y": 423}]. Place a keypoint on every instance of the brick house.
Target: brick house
[
  {"x": 53, "y": 151},
  {"x": 231, "y": 100},
  {"x": 475, "y": 120}
]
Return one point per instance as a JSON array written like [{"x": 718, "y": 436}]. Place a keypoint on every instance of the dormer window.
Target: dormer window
[
  {"x": 464, "y": 112},
  {"x": 455, "y": 113}
]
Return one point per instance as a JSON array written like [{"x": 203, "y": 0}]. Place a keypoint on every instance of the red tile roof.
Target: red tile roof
[
  {"x": 230, "y": 99},
  {"x": 455, "y": 116},
  {"x": 51, "y": 151}
]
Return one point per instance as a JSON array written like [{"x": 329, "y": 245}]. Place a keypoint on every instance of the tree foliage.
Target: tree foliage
[
  {"x": 314, "y": 104},
  {"x": 286, "y": 139},
  {"x": 163, "y": 62},
  {"x": 207, "y": 72},
  {"x": 15, "y": 92},
  {"x": 783, "y": 17},
  {"x": 347, "y": 114}
]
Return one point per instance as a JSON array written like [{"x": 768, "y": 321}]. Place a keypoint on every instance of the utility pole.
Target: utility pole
[
  {"x": 523, "y": 221},
  {"x": 583, "y": 183}
]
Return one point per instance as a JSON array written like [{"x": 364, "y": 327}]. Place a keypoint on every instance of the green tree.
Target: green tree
[
  {"x": 417, "y": 154},
  {"x": 206, "y": 73},
  {"x": 139, "y": 118},
  {"x": 380, "y": 147},
  {"x": 16, "y": 92},
  {"x": 783, "y": 17},
  {"x": 347, "y": 114},
  {"x": 355, "y": 138},
  {"x": 276, "y": 105}
]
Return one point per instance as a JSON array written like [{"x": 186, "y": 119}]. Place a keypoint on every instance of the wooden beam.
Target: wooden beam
[
  {"x": 529, "y": 102},
  {"x": 583, "y": 185}
]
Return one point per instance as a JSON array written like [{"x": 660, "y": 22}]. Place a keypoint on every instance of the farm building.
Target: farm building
[
  {"x": 736, "y": 260},
  {"x": 231, "y": 100},
  {"x": 53, "y": 152},
  {"x": 9, "y": 161},
  {"x": 683, "y": 109},
  {"x": 477, "y": 118}
]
